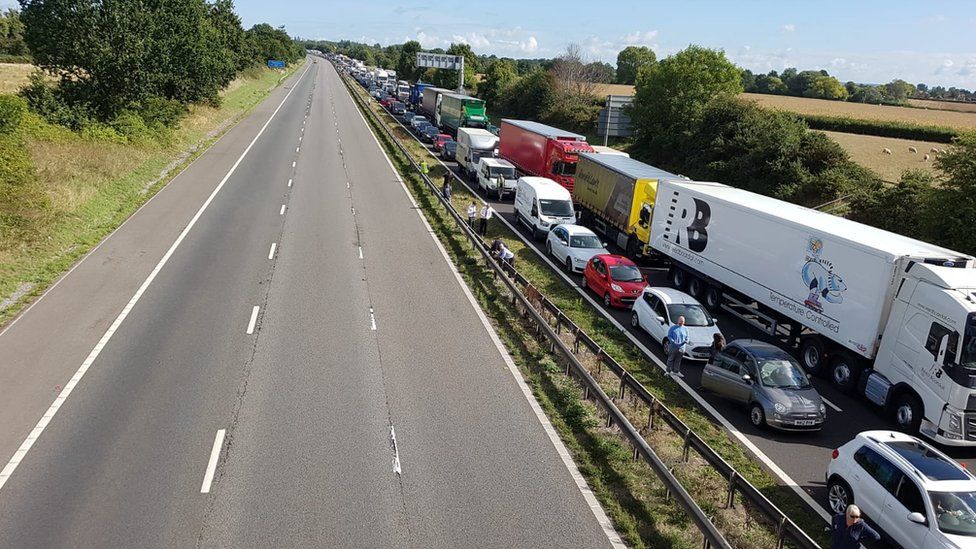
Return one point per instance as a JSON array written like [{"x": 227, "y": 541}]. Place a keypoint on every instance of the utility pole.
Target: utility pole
[{"x": 461, "y": 76}]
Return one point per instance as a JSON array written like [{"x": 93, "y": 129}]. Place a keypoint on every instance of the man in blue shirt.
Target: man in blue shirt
[
  {"x": 678, "y": 338},
  {"x": 848, "y": 531}
]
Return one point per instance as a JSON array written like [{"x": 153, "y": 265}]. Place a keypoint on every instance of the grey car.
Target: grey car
[{"x": 770, "y": 382}]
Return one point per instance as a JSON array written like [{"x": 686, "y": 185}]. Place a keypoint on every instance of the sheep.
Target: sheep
[
  {"x": 934, "y": 150},
  {"x": 926, "y": 158},
  {"x": 886, "y": 151},
  {"x": 912, "y": 150}
]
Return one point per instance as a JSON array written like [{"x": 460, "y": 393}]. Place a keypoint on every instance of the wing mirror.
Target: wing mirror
[
  {"x": 660, "y": 319},
  {"x": 747, "y": 378},
  {"x": 917, "y": 518},
  {"x": 564, "y": 242}
]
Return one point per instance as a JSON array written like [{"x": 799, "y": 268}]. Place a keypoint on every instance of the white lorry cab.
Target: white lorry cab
[
  {"x": 541, "y": 203},
  {"x": 878, "y": 314},
  {"x": 497, "y": 177},
  {"x": 473, "y": 144}
]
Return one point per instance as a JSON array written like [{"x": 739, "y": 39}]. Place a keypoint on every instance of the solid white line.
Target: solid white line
[
  {"x": 396, "y": 451},
  {"x": 289, "y": 182},
  {"x": 541, "y": 417},
  {"x": 253, "y": 320},
  {"x": 784, "y": 478},
  {"x": 360, "y": 252},
  {"x": 83, "y": 369},
  {"x": 282, "y": 211},
  {"x": 274, "y": 245},
  {"x": 372, "y": 320},
  {"x": 212, "y": 464},
  {"x": 831, "y": 404}
]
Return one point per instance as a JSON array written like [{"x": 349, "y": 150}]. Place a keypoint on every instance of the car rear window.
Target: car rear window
[{"x": 927, "y": 462}]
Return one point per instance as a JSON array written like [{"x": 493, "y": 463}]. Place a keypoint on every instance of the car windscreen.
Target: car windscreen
[
  {"x": 625, "y": 273},
  {"x": 584, "y": 241},
  {"x": 694, "y": 314},
  {"x": 955, "y": 512},
  {"x": 556, "y": 208},
  {"x": 782, "y": 374}
]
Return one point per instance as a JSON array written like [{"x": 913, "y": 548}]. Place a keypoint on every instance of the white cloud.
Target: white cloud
[
  {"x": 638, "y": 38},
  {"x": 529, "y": 46},
  {"x": 968, "y": 69},
  {"x": 789, "y": 27},
  {"x": 838, "y": 62}
]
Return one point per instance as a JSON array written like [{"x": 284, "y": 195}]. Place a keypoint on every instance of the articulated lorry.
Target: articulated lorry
[
  {"x": 417, "y": 93},
  {"x": 431, "y": 104},
  {"x": 540, "y": 150},
  {"x": 462, "y": 111},
  {"x": 615, "y": 196},
  {"x": 881, "y": 315}
]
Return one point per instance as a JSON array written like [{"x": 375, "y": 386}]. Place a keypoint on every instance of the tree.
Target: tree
[
  {"x": 896, "y": 208},
  {"x": 406, "y": 66},
  {"x": 529, "y": 96},
  {"x": 602, "y": 73},
  {"x": 12, "y": 34},
  {"x": 449, "y": 78},
  {"x": 898, "y": 91},
  {"x": 630, "y": 60},
  {"x": 770, "y": 84},
  {"x": 826, "y": 87},
  {"x": 501, "y": 74},
  {"x": 952, "y": 211}
]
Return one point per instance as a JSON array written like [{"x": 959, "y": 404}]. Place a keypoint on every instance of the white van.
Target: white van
[
  {"x": 541, "y": 203},
  {"x": 490, "y": 169},
  {"x": 473, "y": 144}
]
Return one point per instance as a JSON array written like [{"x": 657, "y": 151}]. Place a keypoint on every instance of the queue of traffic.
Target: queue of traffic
[{"x": 883, "y": 316}]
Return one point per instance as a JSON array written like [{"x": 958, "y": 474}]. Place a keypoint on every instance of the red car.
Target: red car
[
  {"x": 387, "y": 101},
  {"x": 615, "y": 278},
  {"x": 440, "y": 140}
]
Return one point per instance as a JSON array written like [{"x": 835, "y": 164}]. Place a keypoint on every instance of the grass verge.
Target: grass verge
[
  {"x": 92, "y": 185},
  {"x": 628, "y": 489}
]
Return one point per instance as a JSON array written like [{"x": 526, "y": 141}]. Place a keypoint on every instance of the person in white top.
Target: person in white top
[
  {"x": 472, "y": 212},
  {"x": 507, "y": 256},
  {"x": 486, "y": 214}
]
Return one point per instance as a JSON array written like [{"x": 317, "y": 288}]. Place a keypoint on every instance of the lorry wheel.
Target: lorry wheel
[
  {"x": 695, "y": 286},
  {"x": 812, "y": 355},
  {"x": 844, "y": 373},
  {"x": 908, "y": 413},
  {"x": 713, "y": 298},
  {"x": 678, "y": 277}
]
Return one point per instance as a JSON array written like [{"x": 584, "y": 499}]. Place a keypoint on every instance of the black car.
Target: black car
[
  {"x": 447, "y": 152},
  {"x": 430, "y": 133}
]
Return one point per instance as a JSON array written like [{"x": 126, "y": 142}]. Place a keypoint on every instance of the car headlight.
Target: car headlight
[
  {"x": 616, "y": 288},
  {"x": 780, "y": 409},
  {"x": 823, "y": 410}
]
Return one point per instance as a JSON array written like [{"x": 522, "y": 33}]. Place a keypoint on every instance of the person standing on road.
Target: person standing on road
[
  {"x": 472, "y": 214},
  {"x": 848, "y": 531},
  {"x": 486, "y": 213},
  {"x": 718, "y": 343},
  {"x": 678, "y": 339}
]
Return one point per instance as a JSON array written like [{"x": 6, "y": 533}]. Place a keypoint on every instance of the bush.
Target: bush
[
  {"x": 130, "y": 126},
  {"x": 900, "y": 130},
  {"x": 50, "y": 102},
  {"x": 12, "y": 109},
  {"x": 897, "y": 208},
  {"x": 158, "y": 113},
  {"x": 23, "y": 203}
]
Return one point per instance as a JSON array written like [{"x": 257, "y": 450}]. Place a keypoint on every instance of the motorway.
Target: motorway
[
  {"x": 274, "y": 351},
  {"x": 802, "y": 457}
]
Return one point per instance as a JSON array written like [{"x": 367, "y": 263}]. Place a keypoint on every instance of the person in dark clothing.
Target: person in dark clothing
[
  {"x": 848, "y": 531},
  {"x": 446, "y": 189},
  {"x": 718, "y": 343},
  {"x": 496, "y": 246}
]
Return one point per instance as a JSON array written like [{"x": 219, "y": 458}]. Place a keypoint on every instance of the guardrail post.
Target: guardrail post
[
  {"x": 576, "y": 341},
  {"x": 730, "y": 501},
  {"x": 586, "y": 392},
  {"x": 650, "y": 415},
  {"x": 623, "y": 388},
  {"x": 609, "y": 419},
  {"x": 687, "y": 448},
  {"x": 781, "y": 542}
]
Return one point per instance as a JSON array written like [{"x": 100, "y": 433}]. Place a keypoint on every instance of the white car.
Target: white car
[
  {"x": 916, "y": 495},
  {"x": 573, "y": 246},
  {"x": 417, "y": 120},
  {"x": 659, "y": 308}
]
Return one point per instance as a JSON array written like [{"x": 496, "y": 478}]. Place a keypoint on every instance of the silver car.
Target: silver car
[{"x": 770, "y": 382}]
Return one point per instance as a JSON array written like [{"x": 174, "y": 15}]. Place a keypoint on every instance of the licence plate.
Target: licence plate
[{"x": 805, "y": 422}]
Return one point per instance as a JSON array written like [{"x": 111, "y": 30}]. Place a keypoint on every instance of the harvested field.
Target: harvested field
[
  {"x": 943, "y": 105},
  {"x": 13, "y": 76},
  {"x": 867, "y": 150},
  {"x": 603, "y": 90},
  {"x": 822, "y": 107}
]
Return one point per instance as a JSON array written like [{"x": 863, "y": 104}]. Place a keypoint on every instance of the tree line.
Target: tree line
[{"x": 136, "y": 65}]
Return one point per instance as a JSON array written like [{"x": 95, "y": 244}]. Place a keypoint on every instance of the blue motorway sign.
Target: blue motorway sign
[{"x": 272, "y": 64}]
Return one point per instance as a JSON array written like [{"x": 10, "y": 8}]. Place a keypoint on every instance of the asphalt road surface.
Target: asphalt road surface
[
  {"x": 803, "y": 457},
  {"x": 275, "y": 352}
]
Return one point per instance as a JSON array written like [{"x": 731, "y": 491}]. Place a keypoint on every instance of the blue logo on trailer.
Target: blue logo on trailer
[{"x": 272, "y": 64}]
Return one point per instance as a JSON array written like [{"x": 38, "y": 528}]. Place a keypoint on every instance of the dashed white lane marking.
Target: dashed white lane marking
[
  {"x": 353, "y": 211},
  {"x": 831, "y": 404},
  {"x": 208, "y": 476},
  {"x": 396, "y": 451},
  {"x": 282, "y": 211},
  {"x": 253, "y": 321},
  {"x": 289, "y": 182},
  {"x": 300, "y": 137},
  {"x": 567, "y": 459},
  {"x": 360, "y": 252},
  {"x": 274, "y": 246},
  {"x": 293, "y": 163},
  {"x": 372, "y": 320},
  {"x": 52, "y": 410},
  {"x": 297, "y": 149}
]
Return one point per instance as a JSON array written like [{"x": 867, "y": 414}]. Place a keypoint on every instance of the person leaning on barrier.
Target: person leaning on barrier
[
  {"x": 446, "y": 189},
  {"x": 507, "y": 256}
]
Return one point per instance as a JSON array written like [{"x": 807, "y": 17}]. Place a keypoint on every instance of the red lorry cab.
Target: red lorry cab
[{"x": 541, "y": 150}]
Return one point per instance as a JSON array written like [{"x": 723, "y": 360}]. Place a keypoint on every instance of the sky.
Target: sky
[{"x": 862, "y": 40}]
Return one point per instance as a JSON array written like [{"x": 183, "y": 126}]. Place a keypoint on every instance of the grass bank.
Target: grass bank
[
  {"x": 628, "y": 489},
  {"x": 81, "y": 187}
]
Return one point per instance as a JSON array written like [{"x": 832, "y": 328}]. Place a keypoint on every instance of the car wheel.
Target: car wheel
[
  {"x": 678, "y": 277},
  {"x": 666, "y": 347},
  {"x": 908, "y": 413},
  {"x": 713, "y": 298},
  {"x": 569, "y": 265},
  {"x": 839, "y": 495},
  {"x": 634, "y": 320},
  {"x": 548, "y": 248},
  {"x": 844, "y": 373},
  {"x": 757, "y": 416},
  {"x": 696, "y": 286},
  {"x": 812, "y": 355},
  {"x": 606, "y": 299},
  {"x": 583, "y": 281}
]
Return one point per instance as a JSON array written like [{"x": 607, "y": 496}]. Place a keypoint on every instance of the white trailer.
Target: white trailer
[
  {"x": 879, "y": 314},
  {"x": 472, "y": 145}
]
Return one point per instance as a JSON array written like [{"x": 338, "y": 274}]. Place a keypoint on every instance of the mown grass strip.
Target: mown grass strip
[{"x": 627, "y": 489}]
